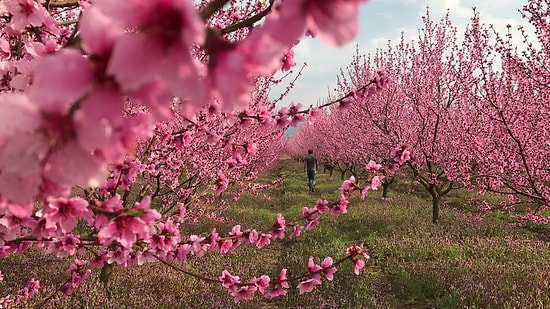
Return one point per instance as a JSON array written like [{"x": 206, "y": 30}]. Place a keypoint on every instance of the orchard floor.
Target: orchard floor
[{"x": 414, "y": 263}]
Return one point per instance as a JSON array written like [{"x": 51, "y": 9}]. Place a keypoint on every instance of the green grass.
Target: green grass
[{"x": 414, "y": 263}]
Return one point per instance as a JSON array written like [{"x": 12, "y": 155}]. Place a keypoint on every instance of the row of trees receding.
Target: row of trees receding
[{"x": 474, "y": 112}]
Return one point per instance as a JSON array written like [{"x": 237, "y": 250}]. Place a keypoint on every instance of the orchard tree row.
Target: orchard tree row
[
  {"x": 473, "y": 111},
  {"x": 132, "y": 118}
]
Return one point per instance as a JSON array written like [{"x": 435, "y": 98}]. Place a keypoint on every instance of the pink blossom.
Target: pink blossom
[
  {"x": 228, "y": 78},
  {"x": 376, "y": 182},
  {"x": 282, "y": 279},
  {"x": 358, "y": 264},
  {"x": 125, "y": 229},
  {"x": 275, "y": 292},
  {"x": 130, "y": 225},
  {"x": 261, "y": 283},
  {"x": 308, "y": 285},
  {"x": 197, "y": 247},
  {"x": 214, "y": 236},
  {"x": 226, "y": 245},
  {"x": 321, "y": 206},
  {"x": 60, "y": 79},
  {"x": 221, "y": 183},
  {"x": 98, "y": 32},
  {"x": 236, "y": 231},
  {"x": 288, "y": 60},
  {"x": 393, "y": 168},
  {"x": 66, "y": 246},
  {"x": 24, "y": 78},
  {"x": 244, "y": 293},
  {"x": 348, "y": 186},
  {"x": 364, "y": 192},
  {"x": 278, "y": 230},
  {"x": 328, "y": 270},
  {"x": 153, "y": 51},
  {"x": 120, "y": 256},
  {"x": 167, "y": 238},
  {"x": 25, "y": 12},
  {"x": 340, "y": 207},
  {"x": 252, "y": 236},
  {"x": 228, "y": 280},
  {"x": 306, "y": 212},
  {"x": 296, "y": 231},
  {"x": 312, "y": 222},
  {"x": 405, "y": 156},
  {"x": 313, "y": 269},
  {"x": 251, "y": 148},
  {"x": 265, "y": 239},
  {"x": 182, "y": 251},
  {"x": 373, "y": 166},
  {"x": 66, "y": 213},
  {"x": 401, "y": 154}
]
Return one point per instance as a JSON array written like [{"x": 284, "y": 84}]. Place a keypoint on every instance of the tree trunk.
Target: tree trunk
[
  {"x": 343, "y": 174},
  {"x": 436, "y": 201},
  {"x": 385, "y": 186}
]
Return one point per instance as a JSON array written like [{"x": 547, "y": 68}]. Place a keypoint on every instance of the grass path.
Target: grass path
[{"x": 414, "y": 264}]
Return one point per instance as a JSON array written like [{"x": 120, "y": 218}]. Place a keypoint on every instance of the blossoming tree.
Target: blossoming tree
[{"x": 135, "y": 105}]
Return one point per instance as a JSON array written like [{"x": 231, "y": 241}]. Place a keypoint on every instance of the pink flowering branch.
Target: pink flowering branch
[{"x": 275, "y": 287}]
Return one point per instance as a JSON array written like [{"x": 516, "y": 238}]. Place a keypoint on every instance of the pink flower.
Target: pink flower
[
  {"x": 393, "y": 168},
  {"x": 296, "y": 231},
  {"x": 226, "y": 245},
  {"x": 261, "y": 283},
  {"x": 167, "y": 238},
  {"x": 276, "y": 292},
  {"x": 288, "y": 60},
  {"x": 341, "y": 207},
  {"x": 244, "y": 293},
  {"x": 66, "y": 213},
  {"x": 265, "y": 239},
  {"x": 308, "y": 285},
  {"x": 159, "y": 48},
  {"x": 313, "y": 269},
  {"x": 64, "y": 247},
  {"x": 282, "y": 279},
  {"x": 376, "y": 182},
  {"x": 125, "y": 229},
  {"x": 405, "y": 156},
  {"x": 197, "y": 247},
  {"x": 252, "y": 236},
  {"x": 228, "y": 78},
  {"x": 348, "y": 186},
  {"x": 228, "y": 280},
  {"x": 372, "y": 166},
  {"x": 321, "y": 206},
  {"x": 328, "y": 270},
  {"x": 130, "y": 225},
  {"x": 236, "y": 231},
  {"x": 334, "y": 21},
  {"x": 278, "y": 230},
  {"x": 221, "y": 183},
  {"x": 358, "y": 264},
  {"x": 364, "y": 192},
  {"x": 401, "y": 154},
  {"x": 25, "y": 12}
]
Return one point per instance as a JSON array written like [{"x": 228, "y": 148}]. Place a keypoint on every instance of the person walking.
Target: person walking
[{"x": 310, "y": 166}]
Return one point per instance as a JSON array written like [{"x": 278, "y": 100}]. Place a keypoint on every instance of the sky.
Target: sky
[{"x": 383, "y": 20}]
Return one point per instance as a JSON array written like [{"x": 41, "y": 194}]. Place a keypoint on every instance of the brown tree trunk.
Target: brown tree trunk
[
  {"x": 436, "y": 201},
  {"x": 385, "y": 186},
  {"x": 343, "y": 174}
]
